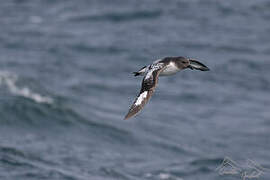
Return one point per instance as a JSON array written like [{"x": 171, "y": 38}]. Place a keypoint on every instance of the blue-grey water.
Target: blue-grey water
[{"x": 66, "y": 83}]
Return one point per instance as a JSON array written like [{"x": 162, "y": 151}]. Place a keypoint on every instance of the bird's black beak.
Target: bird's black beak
[{"x": 193, "y": 64}]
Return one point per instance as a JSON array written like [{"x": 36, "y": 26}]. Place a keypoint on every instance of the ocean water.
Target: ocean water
[{"x": 66, "y": 83}]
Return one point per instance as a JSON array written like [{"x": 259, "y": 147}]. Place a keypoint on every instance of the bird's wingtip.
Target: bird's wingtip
[{"x": 127, "y": 116}]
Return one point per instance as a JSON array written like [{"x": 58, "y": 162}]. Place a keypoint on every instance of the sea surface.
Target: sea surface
[{"x": 66, "y": 84}]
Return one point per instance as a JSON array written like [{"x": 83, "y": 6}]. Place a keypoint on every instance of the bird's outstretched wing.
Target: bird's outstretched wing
[{"x": 149, "y": 84}]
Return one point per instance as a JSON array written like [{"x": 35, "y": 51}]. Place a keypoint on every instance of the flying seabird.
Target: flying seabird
[{"x": 161, "y": 67}]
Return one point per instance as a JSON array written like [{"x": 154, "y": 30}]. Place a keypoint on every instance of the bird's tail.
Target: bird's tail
[
  {"x": 140, "y": 72},
  {"x": 137, "y": 73}
]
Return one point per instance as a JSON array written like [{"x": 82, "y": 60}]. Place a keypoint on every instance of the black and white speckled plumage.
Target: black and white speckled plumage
[{"x": 161, "y": 67}]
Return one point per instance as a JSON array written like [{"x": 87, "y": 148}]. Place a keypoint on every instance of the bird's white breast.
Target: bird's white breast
[{"x": 170, "y": 69}]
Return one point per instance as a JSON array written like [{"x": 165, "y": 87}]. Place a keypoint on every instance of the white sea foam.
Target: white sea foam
[
  {"x": 162, "y": 176},
  {"x": 165, "y": 176},
  {"x": 9, "y": 80}
]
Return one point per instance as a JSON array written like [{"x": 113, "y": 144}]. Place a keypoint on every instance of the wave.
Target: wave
[
  {"x": 10, "y": 81},
  {"x": 162, "y": 176},
  {"x": 118, "y": 16}
]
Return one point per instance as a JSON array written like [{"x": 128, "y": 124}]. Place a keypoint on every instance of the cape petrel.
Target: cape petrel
[{"x": 161, "y": 67}]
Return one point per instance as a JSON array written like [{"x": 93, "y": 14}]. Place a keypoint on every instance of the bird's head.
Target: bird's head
[{"x": 183, "y": 63}]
